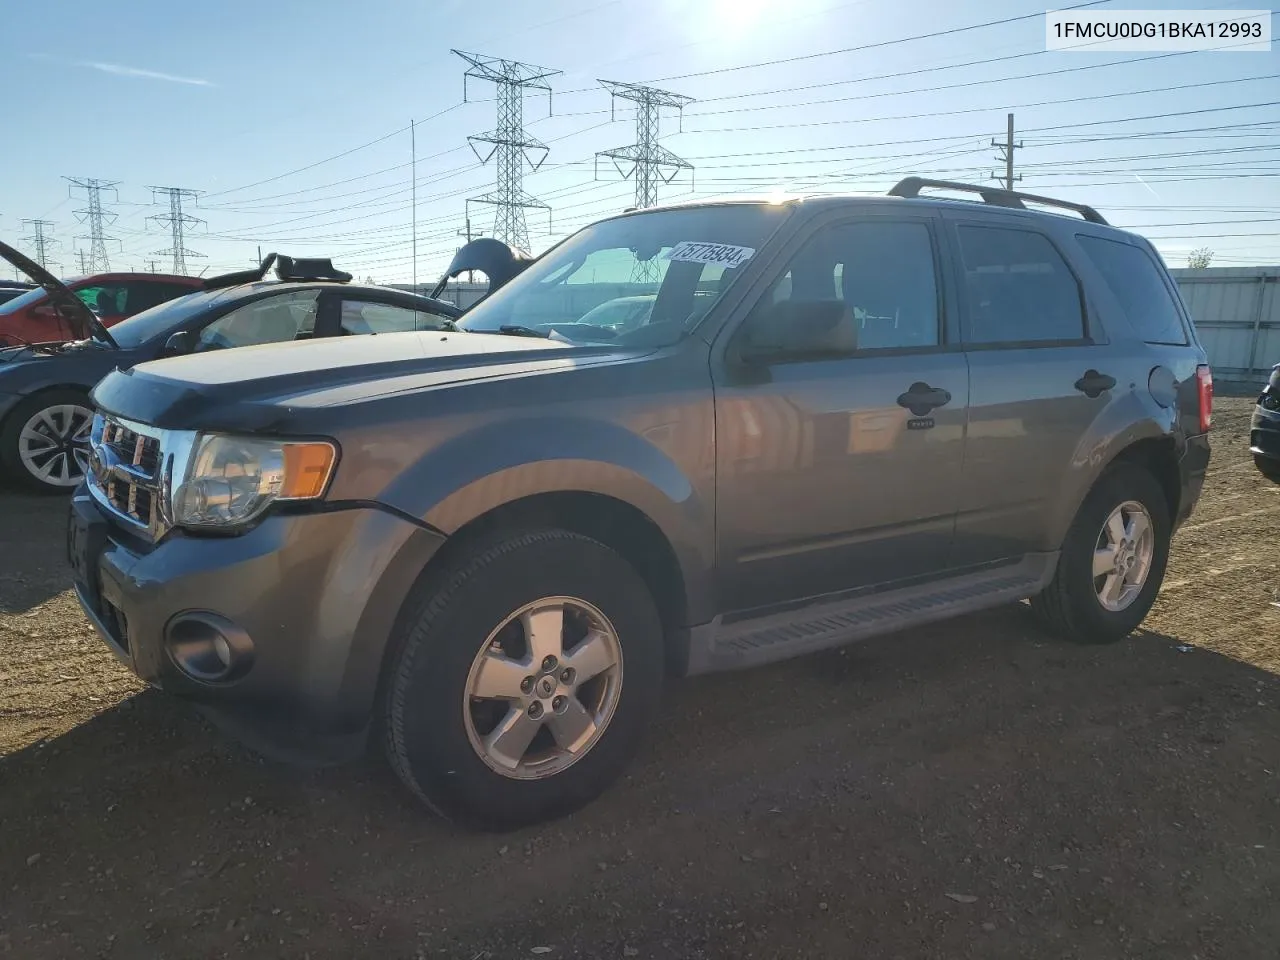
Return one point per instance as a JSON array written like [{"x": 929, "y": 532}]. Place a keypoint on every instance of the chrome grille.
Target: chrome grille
[{"x": 126, "y": 472}]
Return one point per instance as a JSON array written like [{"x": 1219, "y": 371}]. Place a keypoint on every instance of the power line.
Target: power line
[
  {"x": 509, "y": 141},
  {"x": 178, "y": 222},
  {"x": 874, "y": 46},
  {"x": 96, "y": 217}
]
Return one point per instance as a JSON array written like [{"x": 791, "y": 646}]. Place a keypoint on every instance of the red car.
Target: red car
[{"x": 31, "y": 318}]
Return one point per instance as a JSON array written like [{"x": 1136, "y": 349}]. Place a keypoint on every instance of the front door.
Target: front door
[{"x": 840, "y": 420}]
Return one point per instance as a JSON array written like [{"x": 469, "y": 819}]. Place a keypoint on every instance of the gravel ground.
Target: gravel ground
[{"x": 973, "y": 789}]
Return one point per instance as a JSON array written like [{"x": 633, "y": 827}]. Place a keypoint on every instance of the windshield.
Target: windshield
[
  {"x": 24, "y": 301},
  {"x": 642, "y": 279},
  {"x": 162, "y": 319}
]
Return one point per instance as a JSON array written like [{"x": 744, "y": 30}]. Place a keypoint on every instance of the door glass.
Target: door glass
[
  {"x": 106, "y": 300},
  {"x": 869, "y": 285},
  {"x": 1018, "y": 288},
  {"x": 288, "y": 316},
  {"x": 360, "y": 317},
  {"x": 1136, "y": 281}
]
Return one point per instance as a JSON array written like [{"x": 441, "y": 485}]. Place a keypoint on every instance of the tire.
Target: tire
[
  {"x": 1071, "y": 606},
  {"x": 66, "y": 412},
  {"x": 434, "y": 730},
  {"x": 1268, "y": 467}
]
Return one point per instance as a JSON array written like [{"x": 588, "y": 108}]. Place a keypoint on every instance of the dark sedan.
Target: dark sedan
[{"x": 45, "y": 412}]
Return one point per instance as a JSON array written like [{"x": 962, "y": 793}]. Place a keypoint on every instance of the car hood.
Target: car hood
[{"x": 264, "y": 387}]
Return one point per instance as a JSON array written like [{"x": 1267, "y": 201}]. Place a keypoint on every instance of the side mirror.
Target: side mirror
[
  {"x": 184, "y": 341},
  {"x": 795, "y": 329}
]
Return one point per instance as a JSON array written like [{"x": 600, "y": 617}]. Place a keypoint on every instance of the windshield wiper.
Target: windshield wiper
[{"x": 518, "y": 330}]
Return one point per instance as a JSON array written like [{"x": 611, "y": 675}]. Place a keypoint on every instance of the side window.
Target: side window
[
  {"x": 359, "y": 317},
  {"x": 1018, "y": 288},
  {"x": 286, "y": 316},
  {"x": 106, "y": 300},
  {"x": 1135, "y": 280},
  {"x": 867, "y": 285},
  {"x": 144, "y": 296}
]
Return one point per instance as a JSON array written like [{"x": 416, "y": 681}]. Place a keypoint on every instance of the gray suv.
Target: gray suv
[{"x": 486, "y": 548}]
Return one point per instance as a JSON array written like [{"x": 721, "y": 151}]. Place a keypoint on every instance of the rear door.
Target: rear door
[
  {"x": 1040, "y": 375},
  {"x": 840, "y": 412}
]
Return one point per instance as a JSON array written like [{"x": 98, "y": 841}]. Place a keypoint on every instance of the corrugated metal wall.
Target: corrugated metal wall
[{"x": 1237, "y": 313}]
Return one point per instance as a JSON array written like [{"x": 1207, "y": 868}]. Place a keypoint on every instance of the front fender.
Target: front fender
[
  {"x": 483, "y": 469},
  {"x": 1132, "y": 417}
]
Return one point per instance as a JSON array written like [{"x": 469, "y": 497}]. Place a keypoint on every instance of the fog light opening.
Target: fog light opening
[{"x": 208, "y": 648}]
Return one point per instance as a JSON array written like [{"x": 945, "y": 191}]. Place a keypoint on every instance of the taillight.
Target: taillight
[{"x": 1204, "y": 393}]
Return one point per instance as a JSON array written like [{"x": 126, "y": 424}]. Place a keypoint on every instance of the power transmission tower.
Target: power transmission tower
[
  {"x": 40, "y": 240},
  {"x": 96, "y": 217},
  {"x": 651, "y": 162},
  {"x": 509, "y": 141},
  {"x": 1006, "y": 154},
  {"x": 177, "y": 221}
]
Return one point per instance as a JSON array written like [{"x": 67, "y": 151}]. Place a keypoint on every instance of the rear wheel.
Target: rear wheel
[
  {"x": 44, "y": 442},
  {"x": 1268, "y": 467},
  {"x": 524, "y": 680},
  {"x": 1112, "y": 562}
]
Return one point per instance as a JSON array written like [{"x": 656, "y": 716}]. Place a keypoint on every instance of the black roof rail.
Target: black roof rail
[{"x": 996, "y": 196}]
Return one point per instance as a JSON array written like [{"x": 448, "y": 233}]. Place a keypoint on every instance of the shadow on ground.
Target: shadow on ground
[
  {"x": 967, "y": 790},
  {"x": 32, "y": 527}
]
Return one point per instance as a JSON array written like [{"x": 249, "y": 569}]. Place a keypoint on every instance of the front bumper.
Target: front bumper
[
  {"x": 1264, "y": 426},
  {"x": 317, "y": 595}
]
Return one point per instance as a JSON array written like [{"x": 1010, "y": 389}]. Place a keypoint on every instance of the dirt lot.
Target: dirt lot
[{"x": 969, "y": 790}]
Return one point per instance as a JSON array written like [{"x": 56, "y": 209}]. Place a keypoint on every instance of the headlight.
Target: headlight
[{"x": 232, "y": 480}]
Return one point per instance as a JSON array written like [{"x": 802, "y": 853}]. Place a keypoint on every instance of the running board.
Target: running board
[{"x": 832, "y": 623}]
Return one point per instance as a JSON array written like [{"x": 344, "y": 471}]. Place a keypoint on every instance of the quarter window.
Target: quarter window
[
  {"x": 1136, "y": 281},
  {"x": 1018, "y": 288}
]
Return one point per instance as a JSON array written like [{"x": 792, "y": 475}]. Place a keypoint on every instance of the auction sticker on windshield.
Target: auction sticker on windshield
[{"x": 725, "y": 254}]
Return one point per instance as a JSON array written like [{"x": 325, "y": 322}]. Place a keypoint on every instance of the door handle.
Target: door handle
[
  {"x": 922, "y": 398},
  {"x": 1093, "y": 383}
]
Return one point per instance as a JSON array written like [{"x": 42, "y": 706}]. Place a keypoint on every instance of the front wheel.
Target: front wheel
[
  {"x": 1112, "y": 562},
  {"x": 44, "y": 442},
  {"x": 523, "y": 681}
]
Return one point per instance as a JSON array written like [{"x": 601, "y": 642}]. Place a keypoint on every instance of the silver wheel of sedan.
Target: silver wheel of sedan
[
  {"x": 1122, "y": 556},
  {"x": 543, "y": 688},
  {"x": 53, "y": 444}
]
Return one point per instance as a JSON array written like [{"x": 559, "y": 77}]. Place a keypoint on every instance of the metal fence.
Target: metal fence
[{"x": 1237, "y": 313}]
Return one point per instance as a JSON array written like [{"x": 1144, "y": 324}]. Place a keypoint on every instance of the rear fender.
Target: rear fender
[{"x": 1131, "y": 418}]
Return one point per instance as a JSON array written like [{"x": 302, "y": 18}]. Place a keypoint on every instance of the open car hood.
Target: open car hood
[
  {"x": 493, "y": 258},
  {"x": 70, "y": 307}
]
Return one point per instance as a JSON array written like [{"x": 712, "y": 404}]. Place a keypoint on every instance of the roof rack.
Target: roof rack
[
  {"x": 287, "y": 268},
  {"x": 241, "y": 276},
  {"x": 910, "y": 187},
  {"x": 310, "y": 268}
]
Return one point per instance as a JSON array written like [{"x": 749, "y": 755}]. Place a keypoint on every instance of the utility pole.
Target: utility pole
[
  {"x": 651, "y": 162},
  {"x": 466, "y": 232},
  {"x": 177, "y": 221},
  {"x": 97, "y": 218},
  {"x": 1006, "y": 154},
  {"x": 40, "y": 240},
  {"x": 509, "y": 141},
  {"x": 84, "y": 261},
  {"x": 413, "y": 182},
  {"x": 151, "y": 266}
]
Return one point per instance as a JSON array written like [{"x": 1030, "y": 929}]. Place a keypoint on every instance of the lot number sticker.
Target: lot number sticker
[{"x": 725, "y": 254}]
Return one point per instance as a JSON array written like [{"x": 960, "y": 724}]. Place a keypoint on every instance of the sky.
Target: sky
[{"x": 293, "y": 120}]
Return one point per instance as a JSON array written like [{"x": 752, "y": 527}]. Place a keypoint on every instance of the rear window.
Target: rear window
[{"x": 1138, "y": 286}]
